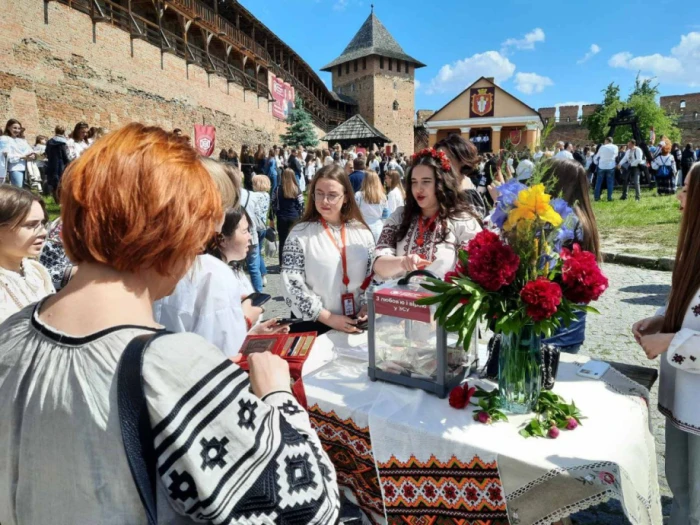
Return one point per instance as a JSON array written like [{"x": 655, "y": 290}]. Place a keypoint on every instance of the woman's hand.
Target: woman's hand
[
  {"x": 413, "y": 262},
  {"x": 342, "y": 323},
  {"x": 362, "y": 315},
  {"x": 648, "y": 326},
  {"x": 252, "y": 313},
  {"x": 268, "y": 373},
  {"x": 269, "y": 327},
  {"x": 493, "y": 189},
  {"x": 656, "y": 344}
]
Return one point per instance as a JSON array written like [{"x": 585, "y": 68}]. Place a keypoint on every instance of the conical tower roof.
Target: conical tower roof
[{"x": 372, "y": 39}]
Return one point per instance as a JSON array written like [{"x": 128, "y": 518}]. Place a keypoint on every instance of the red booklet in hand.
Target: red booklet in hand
[{"x": 293, "y": 348}]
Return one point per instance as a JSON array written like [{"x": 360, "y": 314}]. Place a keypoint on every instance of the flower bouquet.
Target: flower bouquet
[{"x": 524, "y": 282}]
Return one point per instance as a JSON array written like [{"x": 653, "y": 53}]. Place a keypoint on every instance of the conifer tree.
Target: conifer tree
[{"x": 300, "y": 130}]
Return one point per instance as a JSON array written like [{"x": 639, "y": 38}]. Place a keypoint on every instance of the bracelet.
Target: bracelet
[
  {"x": 275, "y": 392},
  {"x": 248, "y": 324}
]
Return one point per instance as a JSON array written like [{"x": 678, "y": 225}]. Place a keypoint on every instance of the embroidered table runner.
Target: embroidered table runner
[{"x": 407, "y": 457}]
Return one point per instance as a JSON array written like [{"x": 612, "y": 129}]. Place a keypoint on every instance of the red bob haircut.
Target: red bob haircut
[{"x": 137, "y": 199}]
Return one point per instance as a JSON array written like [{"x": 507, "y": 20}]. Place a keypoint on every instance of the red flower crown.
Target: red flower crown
[{"x": 433, "y": 153}]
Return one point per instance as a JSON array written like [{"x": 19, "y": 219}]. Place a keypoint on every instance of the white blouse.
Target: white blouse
[
  {"x": 679, "y": 384},
  {"x": 312, "y": 270},
  {"x": 372, "y": 213},
  {"x": 18, "y": 291},
  {"x": 76, "y": 149},
  {"x": 443, "y": 255},
  {"x": 207, "y": 302},
  {"x": 11, "y": 152},
  {"x": 395, "y": 200}
]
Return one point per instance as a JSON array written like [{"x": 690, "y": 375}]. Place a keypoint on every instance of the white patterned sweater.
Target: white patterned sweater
[
  {"x": 312, "y": 272},
  {"x": 224, "y": 456},
  {"x": 679, "y": 382},
  {"x": 19, "y": 290}
]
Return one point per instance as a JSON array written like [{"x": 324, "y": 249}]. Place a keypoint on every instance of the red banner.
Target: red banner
[
  {"x": 402, "y": 304},
  {"x": 204, "y": 139},
  {"x": 283, "y": 94}
]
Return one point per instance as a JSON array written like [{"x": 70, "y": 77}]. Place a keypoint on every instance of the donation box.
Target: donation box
[{"x": 407, "y": 347}]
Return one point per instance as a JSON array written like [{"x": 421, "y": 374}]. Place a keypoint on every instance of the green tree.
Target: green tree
[
  {"x": 642, "y": 99},
  {"x": 300, "y": 128}
]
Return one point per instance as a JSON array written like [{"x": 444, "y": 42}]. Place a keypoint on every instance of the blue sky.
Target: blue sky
[{"x": 544, "y": 53}]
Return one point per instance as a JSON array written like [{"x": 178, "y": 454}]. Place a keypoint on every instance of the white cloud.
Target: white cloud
[
  {"x": 592, "y": 51},
  {"x": 340, "y": 5},
  {"x": 458, "y": 75},
  {"x": 530, "y": 83},
  {"x": 681, "y": 66},
  {"x": 417, "y": 84},
  {"x": 527, "y": 42}
]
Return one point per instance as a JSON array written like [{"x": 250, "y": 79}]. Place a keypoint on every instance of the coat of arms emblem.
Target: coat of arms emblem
[{"x": 482, "y": 101}]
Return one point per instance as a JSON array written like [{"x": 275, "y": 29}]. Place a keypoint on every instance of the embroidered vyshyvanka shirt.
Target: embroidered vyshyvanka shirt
[
  {"x": 679, "y": 383},
  {"x": 224, "y": 456},
  {"x": 19, "y": 290},
  {"x": 443, "y": 255}
]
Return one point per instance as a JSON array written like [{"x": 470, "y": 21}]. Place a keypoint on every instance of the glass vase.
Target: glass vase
[{"x": 519, "y": 376}]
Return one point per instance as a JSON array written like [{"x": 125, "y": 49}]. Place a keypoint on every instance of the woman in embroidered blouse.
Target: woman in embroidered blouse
[
  {"x": 78, "y": 141},
  {"x": 23, "y": 220},
  {"x": 674, "y": 335},
  {"x": 14, "y": 154},
  {"x": 219, "y": 434},
  {"x": 436, "y": 220},
  {"x": 396, "y": 195},
  {"x": 665, "y": 161},
  {"x": 318, "y": 286}
]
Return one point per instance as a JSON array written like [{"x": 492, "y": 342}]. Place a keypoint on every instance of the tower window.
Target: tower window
[
  {"x": 381, "y": 62},
  {"x": 682, "y": 104},
  {"x": 396, "y": 105},
  {"x": 406, "y": 66},
  {"x": 354, "y": 65},
  {"x": 390, "y": 64},
  {"x": 364, "y": 63},
  {"x": 340, "y": 70}
]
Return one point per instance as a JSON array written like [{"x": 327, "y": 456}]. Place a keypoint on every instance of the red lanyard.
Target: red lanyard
[
  {"x": 341, "y": 249},
  {"x": 423, "y": 227}
]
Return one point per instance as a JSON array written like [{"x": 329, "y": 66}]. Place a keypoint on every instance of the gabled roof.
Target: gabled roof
[
  {"x": 494, "y": 85},
  {"x": 338, "y": 97},
  {"x": 372, "y": 39},
  {"x": 356, "y": 128}
]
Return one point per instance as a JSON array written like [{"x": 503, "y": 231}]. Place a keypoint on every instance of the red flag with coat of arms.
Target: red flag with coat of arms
[{"x": 204, "y": 139}]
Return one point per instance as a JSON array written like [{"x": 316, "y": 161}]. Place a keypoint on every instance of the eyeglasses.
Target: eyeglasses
[
  {"x": 331, "y": 198},
  {"x": 36, "y": 226}
]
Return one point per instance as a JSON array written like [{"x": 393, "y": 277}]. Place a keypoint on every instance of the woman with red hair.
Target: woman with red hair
[
  {"x": 665, "y": 166},
  {"x": 135, "y": 208}
]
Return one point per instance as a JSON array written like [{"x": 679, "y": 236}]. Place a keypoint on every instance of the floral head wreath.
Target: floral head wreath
[{"x": 435, "y": 154}]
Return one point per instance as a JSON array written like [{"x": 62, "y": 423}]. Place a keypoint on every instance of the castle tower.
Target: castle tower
[{"x": 379, "y": 76}]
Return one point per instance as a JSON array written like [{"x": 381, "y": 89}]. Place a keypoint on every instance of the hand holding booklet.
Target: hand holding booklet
[{"x": 293, "y": 348}]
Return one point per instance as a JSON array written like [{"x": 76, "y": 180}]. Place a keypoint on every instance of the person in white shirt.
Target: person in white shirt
[
  {"x": 78, "y": 141},
  {"x": 565, "y": 152},
  {"x": 538, "y": 153},
  {"x": 665, "y": 166},
  {"x": 396, "y": 196},
  {"x": 372, "y": 202},
  {"x": 632, "y": 159},
  {"x": 14, "y": 154},
  {"x": 373, "y": 162},
  {"x": 394, "y": 165},
  {"x": 605, "y": 159},
  {"x": 673, "y": 336},
  {"x": 525, "y": 167}
]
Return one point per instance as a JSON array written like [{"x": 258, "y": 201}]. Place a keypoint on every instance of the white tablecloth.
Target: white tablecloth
[{"x": 433, "y": 460}]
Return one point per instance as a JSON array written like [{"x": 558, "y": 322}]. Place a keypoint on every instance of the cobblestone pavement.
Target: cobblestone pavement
[{"x": 634, "y": 293}]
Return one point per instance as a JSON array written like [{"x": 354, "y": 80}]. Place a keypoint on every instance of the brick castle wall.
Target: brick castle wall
[{"x": 54, "y": 74}]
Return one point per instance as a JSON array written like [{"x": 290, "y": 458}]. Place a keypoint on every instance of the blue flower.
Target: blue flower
[
  {"x": 508, "y": 193},
  {"x": 562, "y": 208},
  {"x": 499, "y": 217}
]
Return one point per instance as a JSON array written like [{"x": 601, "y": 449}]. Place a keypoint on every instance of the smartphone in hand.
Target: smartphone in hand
[{"x": 258, "y": 299}]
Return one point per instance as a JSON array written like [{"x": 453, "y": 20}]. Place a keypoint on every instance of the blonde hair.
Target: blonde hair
[
  {"x": 371, "y": 189},
  {"x": 223, "y": 181},
  {"x": 290, "y": 187},
  {"x": 261, "y": 183},
  {"x": 393, "y": 180}
]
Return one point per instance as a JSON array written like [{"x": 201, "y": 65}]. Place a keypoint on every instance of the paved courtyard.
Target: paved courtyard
[{"x": 634, "y": 293}]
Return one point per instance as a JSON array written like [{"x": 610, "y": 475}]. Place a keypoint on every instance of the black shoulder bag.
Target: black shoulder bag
[{"x": 137, "y": 433}]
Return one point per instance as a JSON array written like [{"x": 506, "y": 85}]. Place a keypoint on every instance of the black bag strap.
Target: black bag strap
[{"x": 135, "y": 423}]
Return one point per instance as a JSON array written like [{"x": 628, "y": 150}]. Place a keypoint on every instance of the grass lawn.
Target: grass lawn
[
  {"x": 51, "y": 207},
  {"x": 648, "y": 227}
]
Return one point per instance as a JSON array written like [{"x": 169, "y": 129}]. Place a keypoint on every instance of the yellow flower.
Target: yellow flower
[{"x": 532, "y": 204}]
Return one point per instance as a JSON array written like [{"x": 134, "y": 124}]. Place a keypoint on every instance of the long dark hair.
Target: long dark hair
[
  {"x": 451, "y": 201},
  {"x": 9, "y": 124},
  {"x": 349, "y": 212},
  {"x": 462, "y": 153},
  {"x": 77, "y": 128},
  {"x": 232, "y": 218},
  {"x": 686, "y": 277},
  {"x": 568, "y": 179}
]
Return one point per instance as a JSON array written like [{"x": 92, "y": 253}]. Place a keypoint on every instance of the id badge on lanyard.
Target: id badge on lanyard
[{"x": 348, "y": 302}]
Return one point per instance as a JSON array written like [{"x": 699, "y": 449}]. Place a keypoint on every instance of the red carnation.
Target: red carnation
[
  {"x": 583, "y": 281},
  {"x": 542, "y": 298},
  {"x": 492, "y": 263}
]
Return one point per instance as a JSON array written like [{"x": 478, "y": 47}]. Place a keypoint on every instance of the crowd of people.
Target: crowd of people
[{"x": 154, "y": 240}]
